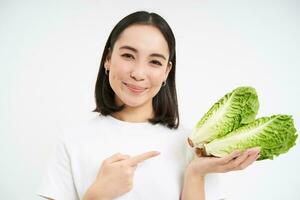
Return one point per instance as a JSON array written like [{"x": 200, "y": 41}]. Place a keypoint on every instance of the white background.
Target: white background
[{"x": 50, "y": 52}]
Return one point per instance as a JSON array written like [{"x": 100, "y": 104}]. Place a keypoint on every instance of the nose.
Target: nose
[{"x": 138, "y": 72}]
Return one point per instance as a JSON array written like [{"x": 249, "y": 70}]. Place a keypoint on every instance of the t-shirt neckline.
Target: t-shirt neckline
[{"x": 126, "y": 123}]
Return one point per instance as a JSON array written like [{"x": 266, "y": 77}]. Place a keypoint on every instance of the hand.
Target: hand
[
  {"x": 115, "y": 176},
  {"x": 237, "y": 160}
]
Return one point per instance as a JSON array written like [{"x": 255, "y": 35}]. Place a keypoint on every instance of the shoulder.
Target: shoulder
[
  {"x": 81, "y": 130},
  {"x": 183, "y": 130},
  {"x": 181, "y": 133}
]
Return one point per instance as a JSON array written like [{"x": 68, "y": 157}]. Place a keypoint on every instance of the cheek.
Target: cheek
[
  {"x": 157, "y": 77},
  {"x": 120, "y": 70}
]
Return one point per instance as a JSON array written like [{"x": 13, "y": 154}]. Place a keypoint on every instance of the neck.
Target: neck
[{"x": 135, "y": 114}]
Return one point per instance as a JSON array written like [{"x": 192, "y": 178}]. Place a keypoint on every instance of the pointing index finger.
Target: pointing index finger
[{"x": 142, "y": 157}]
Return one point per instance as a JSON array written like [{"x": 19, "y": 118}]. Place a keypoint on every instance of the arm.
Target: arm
[
  {"x": 91, "y": 194},
  {"x": 193, "y": 186},
  {"x": 115, "y": 176}
]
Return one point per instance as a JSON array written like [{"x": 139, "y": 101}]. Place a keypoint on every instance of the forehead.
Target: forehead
[{"x": 145, "y": 38}]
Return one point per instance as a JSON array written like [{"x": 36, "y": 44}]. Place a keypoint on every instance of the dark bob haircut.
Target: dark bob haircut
[{"x": 164, "y": 103}]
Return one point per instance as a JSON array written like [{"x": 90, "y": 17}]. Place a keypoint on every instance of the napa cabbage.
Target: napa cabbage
[
  {"x": 234, "y": 109},
  {"x": 275, "y": 135}
]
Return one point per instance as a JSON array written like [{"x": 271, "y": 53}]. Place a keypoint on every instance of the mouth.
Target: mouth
[{"x": 134, "y": 88}]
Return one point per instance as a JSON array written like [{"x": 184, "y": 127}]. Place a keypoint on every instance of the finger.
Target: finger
[
  {"x": 249, "y": 160},
  {"x": 238, "y": 160},
  {"x": 142, "y": 157},
  {"x": 116, "y": 157},
  {"x": 228, "y": 158}
]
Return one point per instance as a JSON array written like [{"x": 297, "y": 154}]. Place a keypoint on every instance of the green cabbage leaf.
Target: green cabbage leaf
[
  {"x": 232, "y": 111},
  {"x": 274, "y": 135}
]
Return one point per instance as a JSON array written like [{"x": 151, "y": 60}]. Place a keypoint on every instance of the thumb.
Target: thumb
[{"x": 198, "y": 152}]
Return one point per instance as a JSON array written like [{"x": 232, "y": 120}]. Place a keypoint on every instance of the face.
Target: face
[{"x": 138, "y": 65}]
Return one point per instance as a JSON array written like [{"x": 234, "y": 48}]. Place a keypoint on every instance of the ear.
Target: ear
[
  {"x": 169, "y": 67},
  {"x": 108, "y": 59}
]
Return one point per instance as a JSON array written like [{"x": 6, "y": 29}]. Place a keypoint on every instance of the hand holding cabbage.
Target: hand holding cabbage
[{"x": 230, "y": 125}]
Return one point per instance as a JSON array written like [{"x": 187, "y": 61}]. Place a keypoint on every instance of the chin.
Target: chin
[
  {"x": 133, "y": 103},
  {"x": 134, "y": 100}
]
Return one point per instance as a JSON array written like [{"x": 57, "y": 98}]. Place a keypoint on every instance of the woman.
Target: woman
[{"x": 135, "y": 149}]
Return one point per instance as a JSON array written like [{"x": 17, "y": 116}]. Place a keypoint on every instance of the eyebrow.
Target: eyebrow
[{"x": 135, "y": 50}]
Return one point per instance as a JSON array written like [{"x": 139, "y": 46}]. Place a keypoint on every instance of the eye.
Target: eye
[
  {"x": 156, "y": 62},
  {"x": 127, "y": 55}
]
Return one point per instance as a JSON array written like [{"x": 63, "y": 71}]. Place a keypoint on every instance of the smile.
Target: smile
[{"x": 135, "y": 89}]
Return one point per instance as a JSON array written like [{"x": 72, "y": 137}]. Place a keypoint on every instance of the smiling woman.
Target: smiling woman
[
  {"x": 138, "y": 65},
  {"x": 138, "y": 125}
]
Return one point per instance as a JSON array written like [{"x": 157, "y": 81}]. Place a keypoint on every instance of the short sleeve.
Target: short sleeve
[{"x": 57, "y": 182}]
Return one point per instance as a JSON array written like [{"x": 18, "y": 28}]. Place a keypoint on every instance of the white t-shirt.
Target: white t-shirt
[{"x": 81, "y": 150}]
